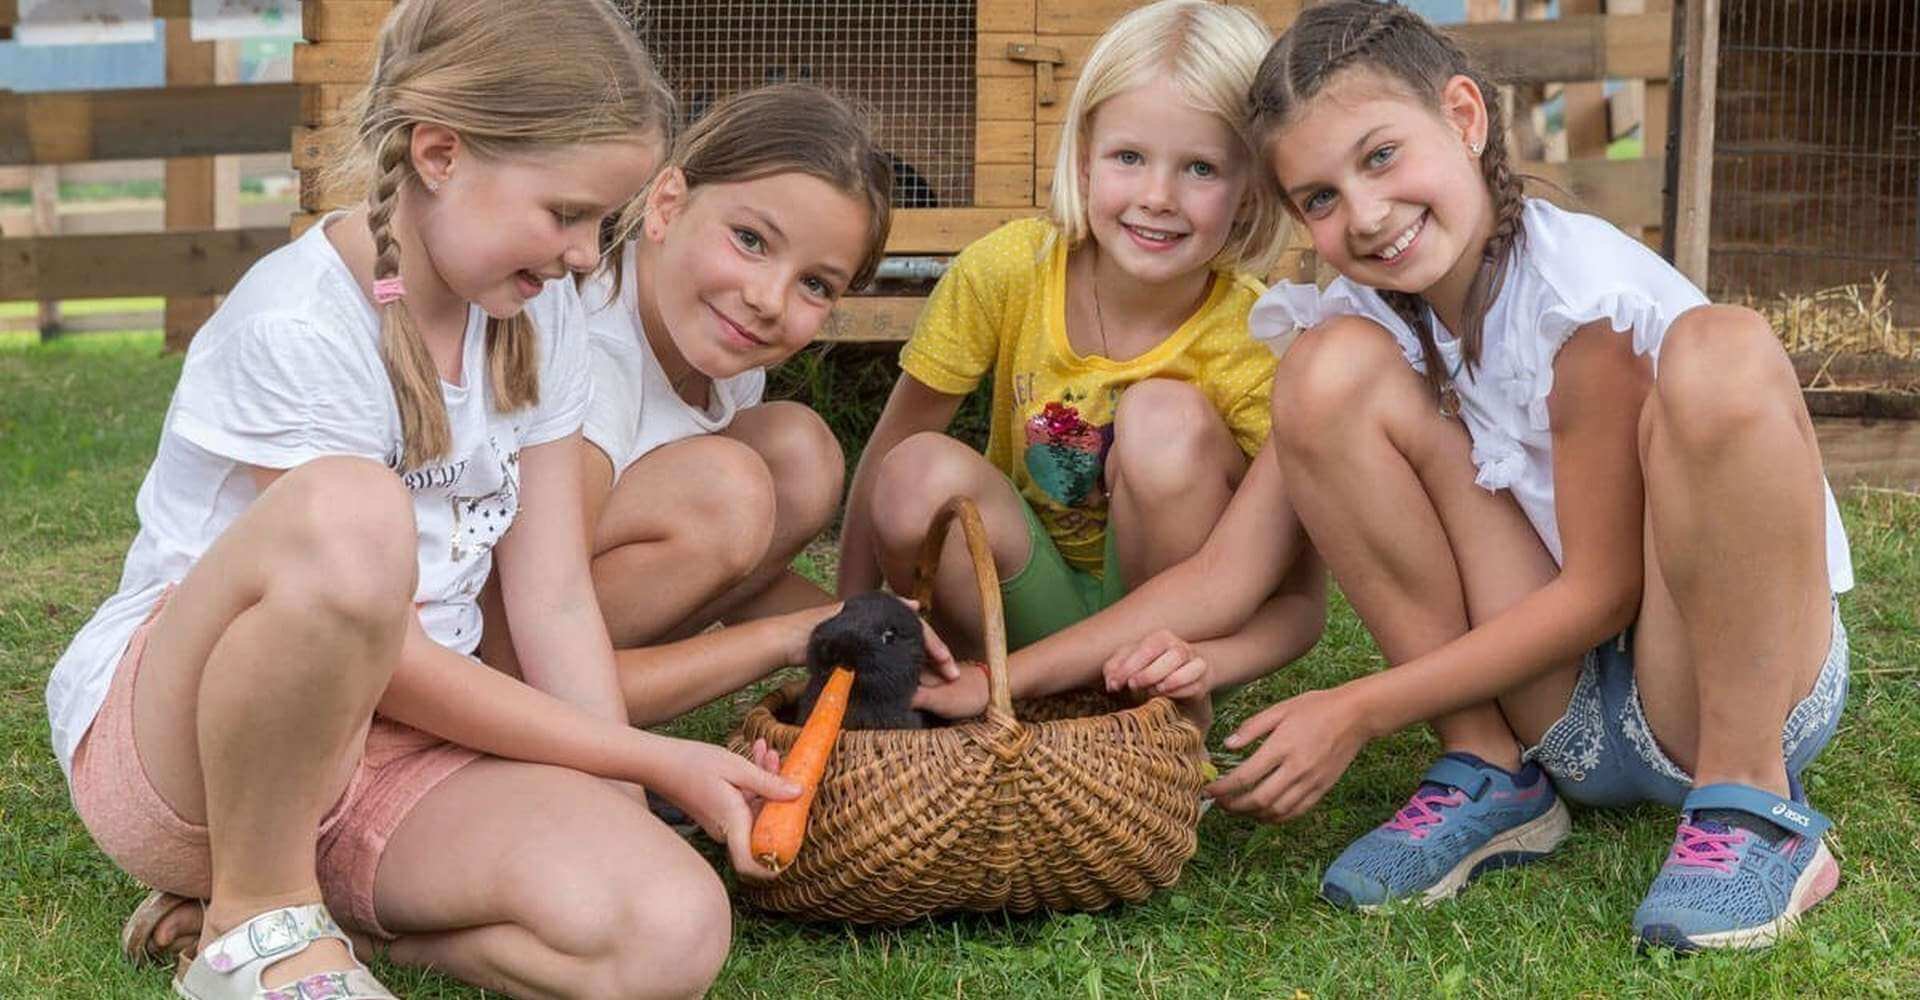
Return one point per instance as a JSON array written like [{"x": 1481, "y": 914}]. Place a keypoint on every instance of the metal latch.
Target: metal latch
[{"x": 1044, "y": 58}]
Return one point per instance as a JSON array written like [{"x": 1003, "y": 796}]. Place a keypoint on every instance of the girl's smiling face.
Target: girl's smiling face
[
  {"x": 1390, "y": 190},
  {"x": 498, "y": 229},
  {"x": 1163, "y": 182},
  {"x": 743, "y": 274}
]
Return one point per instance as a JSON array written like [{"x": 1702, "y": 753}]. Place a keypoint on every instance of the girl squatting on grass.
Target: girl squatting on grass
[
  {"x": 1128, "y": 401},
  {"x": 1581, "y": 509},
  {"x": 277, "y": 713},
  {"x": 697, "y": 493}
]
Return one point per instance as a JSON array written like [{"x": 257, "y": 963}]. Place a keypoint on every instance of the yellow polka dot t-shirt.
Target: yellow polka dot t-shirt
[{"x": 1001, "y": 307}]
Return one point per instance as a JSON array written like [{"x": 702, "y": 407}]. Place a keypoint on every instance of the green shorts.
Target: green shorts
[{"x": 1048, "y": 594}]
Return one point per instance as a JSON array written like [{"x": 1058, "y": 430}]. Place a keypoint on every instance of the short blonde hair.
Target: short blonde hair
[{"x": 1211, "y": 51}]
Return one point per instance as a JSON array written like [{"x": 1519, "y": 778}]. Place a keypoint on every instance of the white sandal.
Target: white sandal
[{"x": 230, "y": 967}]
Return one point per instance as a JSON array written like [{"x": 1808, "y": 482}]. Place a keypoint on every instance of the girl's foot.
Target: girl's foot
[
  {"x": 1744, "y": 865},
  {"x": 1467, "y": 816},
  {"x": 267, "y": 957},
  {"x": 161, "y": 927}
]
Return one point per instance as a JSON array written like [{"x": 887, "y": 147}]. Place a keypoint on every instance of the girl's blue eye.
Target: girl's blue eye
[
  {"x": 818, "y": 287},
  {"x": 1316, "y": 201},
  {"x": 749, "y": 240},
  {"x": 1202, "y": 168},
  {"x": 1128, "y": 157},
  {"x": 1381, "y": 156}
]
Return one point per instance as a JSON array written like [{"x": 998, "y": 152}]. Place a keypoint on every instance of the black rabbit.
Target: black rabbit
[{"x": 877, "y": 636}]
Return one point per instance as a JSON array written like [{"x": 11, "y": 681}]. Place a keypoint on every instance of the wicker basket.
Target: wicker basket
[{"x": 1068, "y": 803}]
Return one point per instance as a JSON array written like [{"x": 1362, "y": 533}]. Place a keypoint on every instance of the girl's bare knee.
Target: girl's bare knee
[
  {"x": 1721, "y": 372},
  {"x": 919, "y": 475},
  {"x": 1324, "y": 373},
  {"x": 640, "y": 932},
  {"x": 348, "y": 541},
  {"x": 807, "y": 466},
  {"x": 1167, "y": 436},
  {"x": 732, "y": 524}
]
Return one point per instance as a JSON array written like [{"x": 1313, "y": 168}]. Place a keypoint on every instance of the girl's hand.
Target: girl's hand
[
  {"x": 1164, "y": 664},
  {"x": 1310, "y": 740},
  {"x": 939, "y": 657},
  {"x": 723, "y": 793},
  {"x": 962, "y": 695}
]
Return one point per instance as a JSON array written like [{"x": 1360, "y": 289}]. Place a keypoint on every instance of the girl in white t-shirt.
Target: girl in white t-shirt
[
  {"x": 699, "y": 494},
  {"x": 1581, "y": 509},
  {"x": 276, "y": 710}
]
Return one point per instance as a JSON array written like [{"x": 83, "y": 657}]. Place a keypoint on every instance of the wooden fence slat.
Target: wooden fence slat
[
  {"x": 1591, "y": 47},
  {"x": 145, "y": 123},
  {"x": 333, "y": 62},
  {"x": 343, "y": 20},
  {"x": 185, "y": 263},
  {"x": 872, "y": 319}
]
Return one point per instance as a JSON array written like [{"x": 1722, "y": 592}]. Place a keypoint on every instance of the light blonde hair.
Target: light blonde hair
[
  {"x": 509, "y": 77},
  {"x": 1211, "y": 51}
]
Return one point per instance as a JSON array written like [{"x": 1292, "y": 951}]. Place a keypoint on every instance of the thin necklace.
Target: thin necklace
[{"x": 1099, "y": 320}]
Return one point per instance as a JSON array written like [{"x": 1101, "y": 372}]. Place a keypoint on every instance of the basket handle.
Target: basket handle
[{"x": 993, "y": 617}]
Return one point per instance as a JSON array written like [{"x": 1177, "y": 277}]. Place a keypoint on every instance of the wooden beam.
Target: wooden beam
[
  {"x": 46, "y": 222},
  {"x": 343, "y": 20},
  {"x": 145, "y": 123},
  {"x": 947, "y": 230},
  {"x": 1694, "y": 196},
  {"x": 10, "y": 10},
  {"x": 1593, "y": 47},
  {"x": 178, "y": 264},
  {"x": 192, "y": 183},
  {"x": 873, "y": 319}
]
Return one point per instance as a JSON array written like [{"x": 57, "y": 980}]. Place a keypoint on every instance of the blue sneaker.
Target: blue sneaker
[
  {"x": 1744, "y": 865},
  {"x": 1466, "y": 817}
]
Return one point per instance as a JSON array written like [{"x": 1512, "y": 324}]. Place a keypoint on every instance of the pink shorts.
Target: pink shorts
[{"x": 136, "y": 827}]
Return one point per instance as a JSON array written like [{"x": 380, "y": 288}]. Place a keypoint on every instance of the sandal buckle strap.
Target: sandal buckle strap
[{"x": 269, "y": 935}]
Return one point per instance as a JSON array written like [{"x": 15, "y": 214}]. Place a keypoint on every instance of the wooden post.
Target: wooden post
[
  {"x": 1584, "y": 112},
  {"x": 46, "y": 222},
  {"x": 1694, "y": 198},
  {"x": 190, "y": 180}
]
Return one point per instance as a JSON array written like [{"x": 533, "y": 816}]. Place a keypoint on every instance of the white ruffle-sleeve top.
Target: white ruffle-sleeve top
[{"x": 1572, "y": 270}]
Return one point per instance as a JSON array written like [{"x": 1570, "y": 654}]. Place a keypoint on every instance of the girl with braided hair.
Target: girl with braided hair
[
  {"x": 278, "y": 712},
  {"x": 1580, "y": 508}
]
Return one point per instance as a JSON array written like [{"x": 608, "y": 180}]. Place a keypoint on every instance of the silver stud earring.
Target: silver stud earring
[{"x": 1474, "y": 148}]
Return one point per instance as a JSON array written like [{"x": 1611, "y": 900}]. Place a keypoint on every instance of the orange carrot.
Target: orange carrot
[{"x": 783, "y": 825}]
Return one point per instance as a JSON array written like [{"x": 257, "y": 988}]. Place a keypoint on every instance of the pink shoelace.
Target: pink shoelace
[
  {"x": 1697, "y": 847},
  {"x": 1423, "y": 810}
]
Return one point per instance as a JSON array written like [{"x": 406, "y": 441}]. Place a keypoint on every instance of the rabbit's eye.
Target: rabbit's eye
[{"x": 887, "y": 635}]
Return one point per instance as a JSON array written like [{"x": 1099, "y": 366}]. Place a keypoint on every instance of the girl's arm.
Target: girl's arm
[
  {"x": 558, "y": 634},
  {"x": 1232, "y": 586},
  {"x": 1599, "y": 386},
  {"x": 911, "y": 408},
  {"x": 498, "y": 715},
  {"x": 664, "y": 682}
]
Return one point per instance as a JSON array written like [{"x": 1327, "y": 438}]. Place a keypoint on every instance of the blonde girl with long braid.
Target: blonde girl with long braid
[
  {"x": 1580, "y": 508},
  {"x": 278, "y": 712}
]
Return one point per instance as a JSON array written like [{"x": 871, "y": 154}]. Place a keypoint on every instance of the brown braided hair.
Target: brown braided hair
[
  {"x": 510, "y": 77},
  {"x": 1404, "y": 49}
]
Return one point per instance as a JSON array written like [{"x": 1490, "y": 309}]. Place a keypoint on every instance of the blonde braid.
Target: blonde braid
[{"x": 424, "y": 430}]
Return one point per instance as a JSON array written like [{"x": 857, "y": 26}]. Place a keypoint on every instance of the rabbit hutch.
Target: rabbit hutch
[{"x": 969, "y": 97}]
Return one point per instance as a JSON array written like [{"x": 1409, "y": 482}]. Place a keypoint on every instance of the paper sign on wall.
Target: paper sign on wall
[
  {"x": 84, "y": 22},
  {"x": 230, "y": 19}
]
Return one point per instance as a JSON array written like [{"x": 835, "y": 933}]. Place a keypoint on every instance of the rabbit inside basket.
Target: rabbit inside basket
[{"x": 877, "y": 636}]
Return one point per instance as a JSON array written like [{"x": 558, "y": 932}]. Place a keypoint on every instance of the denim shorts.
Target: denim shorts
[{"x": 1602, "y": 753}]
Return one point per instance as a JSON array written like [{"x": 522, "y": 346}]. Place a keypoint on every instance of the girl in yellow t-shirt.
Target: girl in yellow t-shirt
[{"x": 1128, "y": 399}]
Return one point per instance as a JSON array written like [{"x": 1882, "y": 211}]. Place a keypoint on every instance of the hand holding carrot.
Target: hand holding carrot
[{"x": 722, "y": 792}]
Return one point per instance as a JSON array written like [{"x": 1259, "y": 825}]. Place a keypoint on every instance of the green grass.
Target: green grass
[{"x": 78, "y": 420}]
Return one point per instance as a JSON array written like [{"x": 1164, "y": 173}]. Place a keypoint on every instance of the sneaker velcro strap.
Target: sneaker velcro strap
[
  {"x": 1459, "y": 774},
  {"x": 1797, "y": 817}
]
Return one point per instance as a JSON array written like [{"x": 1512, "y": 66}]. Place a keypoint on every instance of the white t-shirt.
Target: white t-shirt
[
  {"x": 635, "y": 408},
  {"x": 1574, "y": 269},
  {"x": 288, "y": 370}
]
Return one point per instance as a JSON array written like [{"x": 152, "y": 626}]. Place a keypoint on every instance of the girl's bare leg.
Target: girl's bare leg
[
  {"x": 261, "y": 675},
  {"x": 543, "y": 882},
  {"x": 809, "y": 479},
  {"x": 915, "y": 479},
  {"x": 1736, "y": 620},
  {"x": 684, "y": 525},
  {"x": 1385, "y": 486},
  {"x": 1172, "y": 469}
]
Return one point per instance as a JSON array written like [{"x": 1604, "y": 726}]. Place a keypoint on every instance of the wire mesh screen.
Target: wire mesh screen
[
  {"x": 910, "y": 61},
  {"x": 1816, "y": 180}
]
